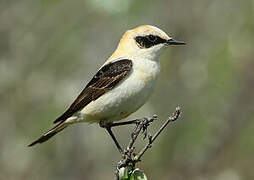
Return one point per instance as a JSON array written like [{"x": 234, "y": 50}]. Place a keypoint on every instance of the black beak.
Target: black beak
[{"x": 175, "y": 42}]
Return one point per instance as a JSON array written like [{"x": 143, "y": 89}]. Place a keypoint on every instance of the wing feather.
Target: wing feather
[{"x": 104, "y": 80}]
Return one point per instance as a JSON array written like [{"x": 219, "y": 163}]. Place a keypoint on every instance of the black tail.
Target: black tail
[{"x": 50, "y": 133}]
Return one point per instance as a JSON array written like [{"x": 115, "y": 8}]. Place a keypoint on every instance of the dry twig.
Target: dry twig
[{"x": 130, "y": 157}]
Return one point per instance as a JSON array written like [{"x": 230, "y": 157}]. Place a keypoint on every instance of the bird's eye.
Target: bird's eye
[{"x": 152, "y": 38}]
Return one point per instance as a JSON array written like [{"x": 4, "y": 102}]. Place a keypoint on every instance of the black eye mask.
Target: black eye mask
[{"x": 149, "y": 41}]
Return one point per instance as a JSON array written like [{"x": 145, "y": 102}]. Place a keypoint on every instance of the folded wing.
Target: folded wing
[{"x": 104, "y": 80}]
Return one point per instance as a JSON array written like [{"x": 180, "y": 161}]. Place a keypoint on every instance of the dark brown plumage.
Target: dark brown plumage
[{"x": 59, "y": 127}]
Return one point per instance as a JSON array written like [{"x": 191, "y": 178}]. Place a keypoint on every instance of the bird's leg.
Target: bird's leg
[
  {"x": 115, "y": 140},
  {"x": 108, "y": 126},
  {"x": 125, "y": 123}
]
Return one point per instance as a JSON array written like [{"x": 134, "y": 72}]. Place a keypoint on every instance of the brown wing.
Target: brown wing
[{"x": 104, "y": 80}]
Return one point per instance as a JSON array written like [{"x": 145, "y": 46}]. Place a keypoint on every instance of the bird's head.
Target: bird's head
[{"x": 144, "y": 41}]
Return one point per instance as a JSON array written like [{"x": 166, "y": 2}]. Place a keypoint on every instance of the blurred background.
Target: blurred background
[{"x": 50, "y": 49}]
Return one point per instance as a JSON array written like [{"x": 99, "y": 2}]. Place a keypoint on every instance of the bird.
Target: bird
[{"x": 121, "y": 85}]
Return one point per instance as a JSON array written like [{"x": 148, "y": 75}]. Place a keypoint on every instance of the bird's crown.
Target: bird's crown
[{"x": 146, "y": 36}]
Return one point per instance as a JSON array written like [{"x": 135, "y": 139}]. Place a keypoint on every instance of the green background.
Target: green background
[{"x": 50, "y": 49}]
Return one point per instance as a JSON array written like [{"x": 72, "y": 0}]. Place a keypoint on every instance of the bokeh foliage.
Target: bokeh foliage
[{"x": 50, "y": 49}]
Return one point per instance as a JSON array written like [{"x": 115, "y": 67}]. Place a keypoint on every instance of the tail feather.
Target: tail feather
[{"x": 56, "y": 129}]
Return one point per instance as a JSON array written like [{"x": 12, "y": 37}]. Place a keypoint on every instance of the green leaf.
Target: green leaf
[
  {"x": 137, "y": 174},
  {"x": 124, "y": 173}
]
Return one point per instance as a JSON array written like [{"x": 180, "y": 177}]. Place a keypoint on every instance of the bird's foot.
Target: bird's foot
[{"x": 145, "y": 123}]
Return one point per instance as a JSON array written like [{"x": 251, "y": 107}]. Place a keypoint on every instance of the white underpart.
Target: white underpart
[{"x": 127, "y": 97}]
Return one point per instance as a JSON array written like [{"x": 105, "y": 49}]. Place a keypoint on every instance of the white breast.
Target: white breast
[{"x": 127, "y": 97}]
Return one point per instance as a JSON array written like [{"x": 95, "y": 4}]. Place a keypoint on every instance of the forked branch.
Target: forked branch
[{"x": 130, "y": 157}]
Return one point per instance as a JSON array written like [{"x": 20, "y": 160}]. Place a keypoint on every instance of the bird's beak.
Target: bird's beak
[{"x": 175, "y": 42}]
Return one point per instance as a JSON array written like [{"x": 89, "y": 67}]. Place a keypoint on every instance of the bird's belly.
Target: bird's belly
[
  {"x": 122, "y": 100},
  {"x": 118, "y": 103}
]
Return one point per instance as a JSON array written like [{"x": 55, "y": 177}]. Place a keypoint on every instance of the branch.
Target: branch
[
  {"x": 172, "y": 118},
  {"x": 130, "y": 157}
]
